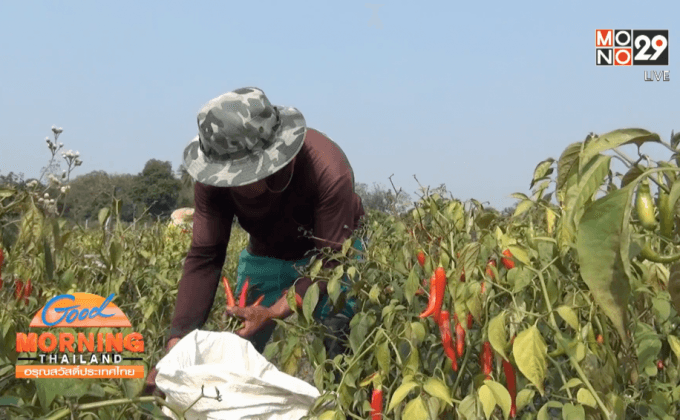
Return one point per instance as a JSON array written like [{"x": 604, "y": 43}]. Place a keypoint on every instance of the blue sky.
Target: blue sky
[{"x": 470, "y": 94}]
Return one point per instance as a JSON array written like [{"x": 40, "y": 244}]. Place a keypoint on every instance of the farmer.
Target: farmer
[{"x": 292, "y": 190}]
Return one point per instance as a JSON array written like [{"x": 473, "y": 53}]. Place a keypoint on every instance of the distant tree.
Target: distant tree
[
  {"x": 88, "y": 194},
  {"x": 186, "y": 192},
  {"x": 382, "y": 199},
  {"x": 509, "y": 211},
  {"x": 157, "y": 188}
]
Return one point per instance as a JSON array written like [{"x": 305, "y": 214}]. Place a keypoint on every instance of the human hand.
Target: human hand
[
  {"x": 254, "y": 318},
  {"x": 150, "y": 384}
]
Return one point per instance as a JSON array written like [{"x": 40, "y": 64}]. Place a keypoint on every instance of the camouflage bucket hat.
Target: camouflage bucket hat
[{"x": 242, "y": 138}]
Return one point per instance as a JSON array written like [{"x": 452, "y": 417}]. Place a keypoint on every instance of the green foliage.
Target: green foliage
[{"x": 589, "y": 326}]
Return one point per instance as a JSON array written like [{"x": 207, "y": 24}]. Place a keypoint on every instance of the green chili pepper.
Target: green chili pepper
[
  {"x": 649, "y": 254},
  {"x": 644, "y": 206}
]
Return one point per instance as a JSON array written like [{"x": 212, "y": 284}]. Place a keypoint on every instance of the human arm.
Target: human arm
[{"x": 213, "y": 217}]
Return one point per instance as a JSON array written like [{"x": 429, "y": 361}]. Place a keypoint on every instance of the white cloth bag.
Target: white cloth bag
[{"x": 250, "y": 387}]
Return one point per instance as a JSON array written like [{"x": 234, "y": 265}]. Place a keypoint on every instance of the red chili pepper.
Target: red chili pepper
[
  {"x": 489, "y": 271},
  {"x": 244, "y": 293},
  {"x": 508, "y": 262},
  {"x": 460, "y": 337},
  {"x": 2, "y": 259},
  {"x": 19, "y": 291},
  {"x": 435, "y": 300},
  {"x": 228, "y": 292},
  {"x": 421, "y": 258},
  {"x": 659, "y": 365},
  {"x": 487, "y": 359},
  {"x": 447, "y": 339},
  {"x": 437, "y": 290},
  {"x": 377, "y": 404},
  {"x": 258, "y": 301},
  {"x": 511, "y": 382},
  {"x": 469, "y": 321},
  {"x": 28, "y": 288}
]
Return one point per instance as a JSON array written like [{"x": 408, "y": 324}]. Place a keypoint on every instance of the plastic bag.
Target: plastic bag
[{"x": 249, "y": 386}]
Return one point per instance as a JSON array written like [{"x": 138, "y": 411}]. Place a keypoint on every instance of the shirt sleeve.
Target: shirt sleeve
[
  {"x": 213, "y": 217},
  {"x": 334, "y": 220}
]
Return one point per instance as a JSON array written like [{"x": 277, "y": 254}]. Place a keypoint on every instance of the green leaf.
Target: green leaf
[
  {"x": 674, "y": 342},
  {"x": 519, "y": 278},
  {"x": 382, "y": 354},
  {"x": 523, "y": 207},
  {"x": 542, "y": 170},
  {"x": 674, "y": 285},
  {"x": 630, "y": 176},
  {"x": 616, "y": 406},
  {"x": 49, "y": 262},
  {"x": 497, "y": 335},
  {"x": 115, "y": 252},
  {"x": 586, "y": 398},
  {"x": 358, "y": 332},
  {"x": 468, "y": 407},
  {"x": 133, "y": 387},
  {"x": 346, "y": 246},
  {"x": 469, "y": 255},
  {"x": 599, "y": 245},
  {"x": 401, "y": 393},
  {"x": 104, "y": 215},
  {"x": 573, "y": 412},
  {"x": 314, "y": 270},
  {"x": 334, "y": 284},
  {"x": 418, "y": 332},
  {"x": 47, "y": 390},
  {"x": 412, "y": 285},
  {"x": 319, "y": 376},
  {"x": 589, "y": 181},
  {"x": 569, "y": 316},
  {"x": 520, "y": 253},
  {"x": 648, "y": 347},
  {"x": 519, "y": 196},
  {"x": 71, "y": 387},
  {"x": 530, "y": 355},
  {"x": 572, "y": 383},
  {"x": 488, "y": 400},
  {"x": 501, "y": 396},
  {"x": 416, "y": 410},
  {"x": 6, "y": 192},
  {"x": 524, "y": 397},
  {"x": 329, "y": 415},
  {"x": 438, "y": 389},
  {"x": 412, "y": 362},
  {"x": 310, "y": 301},
  {"x": 567, "y": 161},
  {"x": 543, "y": 412},
  {"x": 615, "y": 139},
  {"x": 290, "y": 298}
]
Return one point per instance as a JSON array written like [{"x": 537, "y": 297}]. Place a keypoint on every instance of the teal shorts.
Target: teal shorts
[{"x": 271, "y": 277}]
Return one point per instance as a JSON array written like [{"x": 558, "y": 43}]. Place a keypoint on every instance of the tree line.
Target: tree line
[{"x": 157, "y": 190}]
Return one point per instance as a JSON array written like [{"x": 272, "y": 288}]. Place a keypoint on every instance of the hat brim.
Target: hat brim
[{"x": 262, "y": 163}]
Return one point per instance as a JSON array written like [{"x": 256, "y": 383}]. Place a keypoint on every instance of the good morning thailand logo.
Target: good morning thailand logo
[{"x": 83, "y": 355}]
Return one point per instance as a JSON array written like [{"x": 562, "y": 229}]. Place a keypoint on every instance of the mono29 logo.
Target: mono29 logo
[{"x": 626, "y": 47}]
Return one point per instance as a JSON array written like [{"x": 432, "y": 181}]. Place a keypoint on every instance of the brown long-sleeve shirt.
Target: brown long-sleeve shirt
[{"x": 319, "y": 200}]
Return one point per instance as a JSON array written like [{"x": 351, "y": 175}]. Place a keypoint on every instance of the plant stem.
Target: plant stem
[
  {"x": 564, "y": 378},
  {"x": 572, "y": 359}
]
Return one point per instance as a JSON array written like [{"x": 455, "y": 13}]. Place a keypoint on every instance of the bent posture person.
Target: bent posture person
[{"x": 292, "y": 190}]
